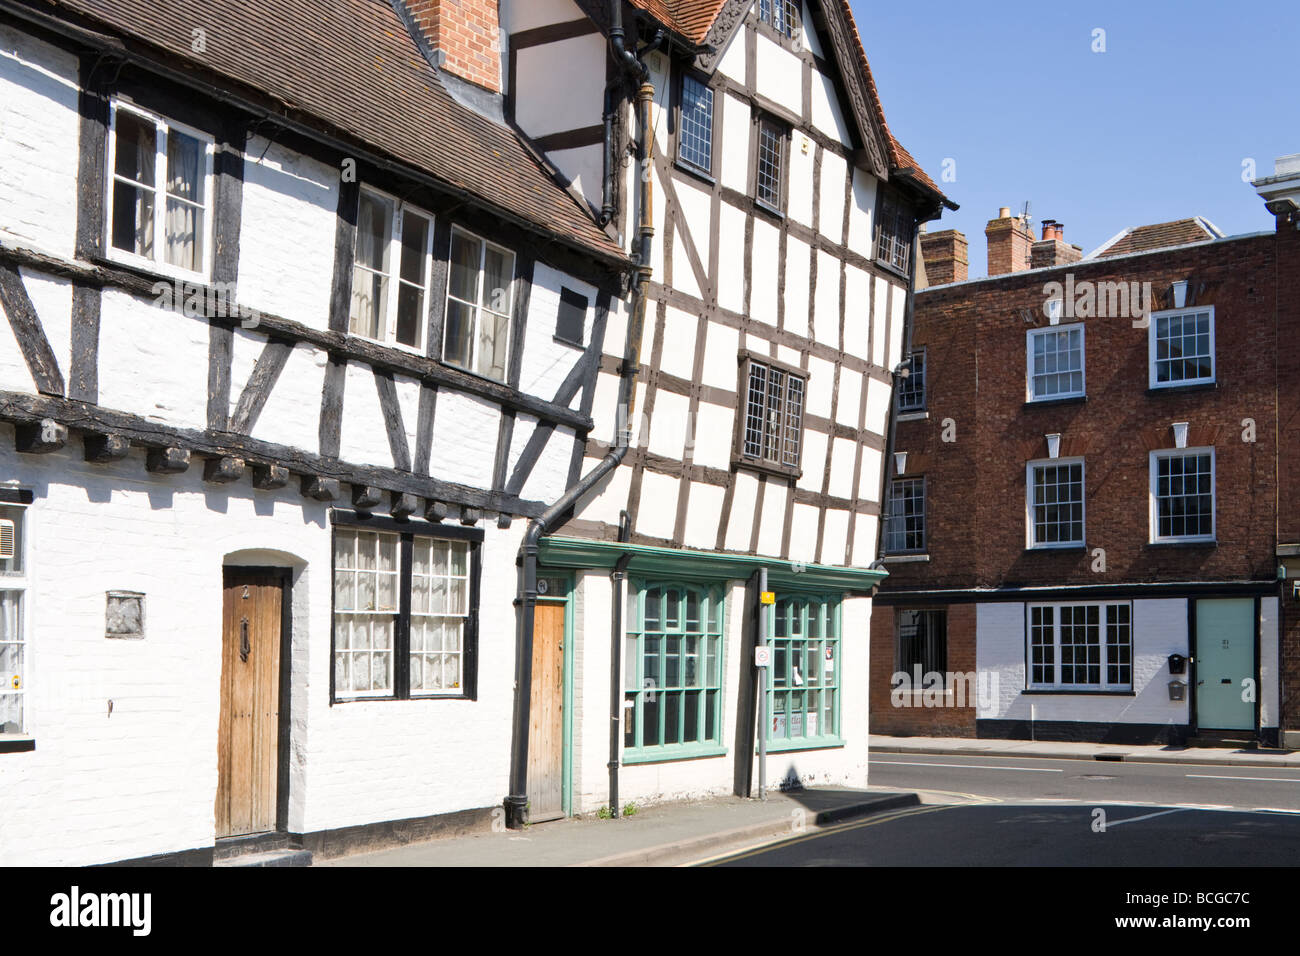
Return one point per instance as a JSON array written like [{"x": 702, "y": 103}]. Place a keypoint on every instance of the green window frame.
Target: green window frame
[
  {"x": 673, "y": 671},
  {"x": 803, "y": 704}
]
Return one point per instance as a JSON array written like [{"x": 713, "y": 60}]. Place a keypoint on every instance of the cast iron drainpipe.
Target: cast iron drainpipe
[{"x": 516, "y": 803}]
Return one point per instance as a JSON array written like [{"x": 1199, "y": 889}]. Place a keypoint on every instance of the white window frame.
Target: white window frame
[
  {"x": 19, "y": 581},
  {"x": 1154, "y": 501},
  {"x": 157, "y": 263},
  {"x": 1103, "y": 686},
  {"x": 1030, "y": 468},
  {"x": 394, "y": 275},
  {"x": 479, "y": 307},
  {"x": 1029, "y": 362},
  {"x": 1152, "y": 379}
]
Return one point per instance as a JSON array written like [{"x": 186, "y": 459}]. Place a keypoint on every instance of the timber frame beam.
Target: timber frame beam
[{"x": 42, "y": 424}]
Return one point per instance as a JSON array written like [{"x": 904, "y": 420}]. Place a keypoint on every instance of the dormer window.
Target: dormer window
[{"x": 159, "y": 193}]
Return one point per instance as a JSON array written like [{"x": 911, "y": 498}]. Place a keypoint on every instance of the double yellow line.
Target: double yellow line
[{"x": 820, "y": 832}]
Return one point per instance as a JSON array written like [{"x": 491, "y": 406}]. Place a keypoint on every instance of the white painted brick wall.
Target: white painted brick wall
[{"x": 39, "y": 132}]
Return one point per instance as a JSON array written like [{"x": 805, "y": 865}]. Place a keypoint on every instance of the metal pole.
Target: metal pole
[{"x": 759, "y": 641}]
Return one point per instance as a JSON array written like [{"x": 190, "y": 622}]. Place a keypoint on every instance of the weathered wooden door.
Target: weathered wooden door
[
  {"x": 546, "y": 727},
  {"x": 248, "y": 742}
]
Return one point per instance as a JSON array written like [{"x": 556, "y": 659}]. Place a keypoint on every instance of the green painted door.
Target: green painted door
[{"x": 1225, "y": 664}]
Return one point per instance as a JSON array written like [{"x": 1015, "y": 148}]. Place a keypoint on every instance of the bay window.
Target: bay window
[
  {"x": 804, "y": 691},
  {"x": 673, "y": 671}
]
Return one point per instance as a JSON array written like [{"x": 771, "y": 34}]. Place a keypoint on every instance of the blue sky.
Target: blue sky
[{"x": 1154, "y": 128}]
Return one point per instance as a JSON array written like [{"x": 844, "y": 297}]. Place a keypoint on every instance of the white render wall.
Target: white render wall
[
  {"x": 649, "y": 783},
  {"x": 143, "y": 780},
  {"x": 39, "y": 131},
  {"x": 1159, "y": 629}
]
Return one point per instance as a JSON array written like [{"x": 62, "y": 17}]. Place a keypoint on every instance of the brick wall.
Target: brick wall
[
  {"x": 466, "y": 31},
  {"x": 948, "y": 721},
  {"x": 975, "y": 337}
]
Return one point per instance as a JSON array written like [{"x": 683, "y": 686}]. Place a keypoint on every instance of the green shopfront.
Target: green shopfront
[{"x": 660, "y": 648}]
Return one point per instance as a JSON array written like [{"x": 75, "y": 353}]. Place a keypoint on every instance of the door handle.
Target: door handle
[{"x": 245, "y": 648}]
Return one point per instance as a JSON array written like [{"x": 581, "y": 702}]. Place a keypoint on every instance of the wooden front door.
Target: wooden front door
[
  {"x": 546, "y": 716},
  {"x": 248, "y": 743}
]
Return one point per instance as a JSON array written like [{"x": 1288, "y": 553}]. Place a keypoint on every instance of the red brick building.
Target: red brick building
[{"x": 1084, "y": 535}]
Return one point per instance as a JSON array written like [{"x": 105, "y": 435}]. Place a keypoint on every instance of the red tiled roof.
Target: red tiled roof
[
  {"x": 688, "y": 18},
  {"x": 351, "y": 65},
  {"x": 1161, "y": 235}
]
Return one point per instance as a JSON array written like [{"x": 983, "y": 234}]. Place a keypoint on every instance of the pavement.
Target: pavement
[
  {"x": 1068, "y": 750},
  {"x": 669, "y": 834}
]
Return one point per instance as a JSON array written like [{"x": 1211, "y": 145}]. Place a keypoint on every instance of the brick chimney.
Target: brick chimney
[
  {"x": 945, "y": 256},
  {"x": 464, "y": 36},
  {"x": 1053, "y": 250},
  {"x": 1009, "y": 243}
]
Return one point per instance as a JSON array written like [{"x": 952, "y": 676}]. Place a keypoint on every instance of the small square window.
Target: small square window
[
  {"x": 772, "y": 430},
  {"x": 571, "y": 321},
  {"x": 124, "y": 617}
]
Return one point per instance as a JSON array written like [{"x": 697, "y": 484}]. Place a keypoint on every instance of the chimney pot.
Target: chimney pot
[{"x": 1004, "y": 212}]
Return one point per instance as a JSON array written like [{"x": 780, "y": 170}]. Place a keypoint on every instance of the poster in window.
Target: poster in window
[{"x": 830, "y": 662}]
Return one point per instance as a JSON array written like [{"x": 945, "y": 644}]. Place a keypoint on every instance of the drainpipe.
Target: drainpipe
[{"x": 516, "y": 803}]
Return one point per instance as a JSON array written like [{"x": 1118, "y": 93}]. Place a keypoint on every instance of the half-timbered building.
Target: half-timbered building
[
  {"x": 784, "y": 218},
  {"x": 403, "y": 407}
]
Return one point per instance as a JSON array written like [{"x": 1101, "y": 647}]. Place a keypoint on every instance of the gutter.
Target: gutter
[{"x": 516, "y": 802}]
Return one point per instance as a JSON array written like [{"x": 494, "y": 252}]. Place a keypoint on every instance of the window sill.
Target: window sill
[
  {"x": 469, "y": 371},
  {"x": 1067, "y": 400},
  {"x": 148, "y": 268},
  {"x": 772, "y": 211},
  {"x": 912, "y": 416},
  {"x": 671, "y": 753},
  {"x": 350, "y": 337},
  {"x": 1079, "y": 693},
  {"x": 905, "y": 558},
  {"x": 776, "y": 470},
  {"x": 805, "y": 743},
  {"x": 338, "y": 701},
  {"x": 569, "y": 343},
  {"x": 890, "y": 267},
  {"x": 694, "y": 171},
  {"x": 16, "y": 743},
  {"x": 1056, "y": 548},
  {"x": 1189, "y": 387},
  {"x": 1190, "y": 543}
]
